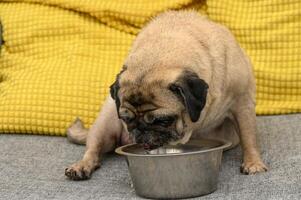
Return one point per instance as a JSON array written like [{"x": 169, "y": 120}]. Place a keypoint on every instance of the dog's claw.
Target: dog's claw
[
  {"x": 249, "y": 168},
  {"x": 77, "y": 172}
]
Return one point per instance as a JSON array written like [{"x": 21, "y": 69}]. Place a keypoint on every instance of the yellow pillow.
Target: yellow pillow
[
  {"x": 60, "y": 56},
  {"x": 270, "y": 32}
]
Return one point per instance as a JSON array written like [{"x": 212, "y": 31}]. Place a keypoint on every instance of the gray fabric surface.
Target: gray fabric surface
[{"x": 32, "y": 167}]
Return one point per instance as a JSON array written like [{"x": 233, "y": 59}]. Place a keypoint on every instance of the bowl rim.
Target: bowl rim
[{"x": 225, "y": 144}]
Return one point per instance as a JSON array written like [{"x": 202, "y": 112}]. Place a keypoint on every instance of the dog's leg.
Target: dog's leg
[
  {"x": 244, "y": 113},
  {"x": 102, "y": 137}
]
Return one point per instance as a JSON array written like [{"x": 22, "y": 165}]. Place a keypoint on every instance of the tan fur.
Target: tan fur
[
  {"x": 77, "y": 133},
  {"x": 171, "y": 43}
]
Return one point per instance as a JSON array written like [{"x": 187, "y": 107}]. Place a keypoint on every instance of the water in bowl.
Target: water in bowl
[{"x": 176, "y": 149}]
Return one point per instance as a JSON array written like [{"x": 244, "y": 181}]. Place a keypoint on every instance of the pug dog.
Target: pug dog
[{"x": 185, "y": 77}]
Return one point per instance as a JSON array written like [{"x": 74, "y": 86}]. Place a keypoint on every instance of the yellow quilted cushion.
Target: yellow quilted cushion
[
  {"x": 270, "y": 32},
  {"x": 60, "y": 56}
]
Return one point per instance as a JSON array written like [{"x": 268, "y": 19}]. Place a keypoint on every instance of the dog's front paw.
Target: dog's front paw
[
  {"x": 81, "y": 170},
  {"x": 253, "y": 167}
]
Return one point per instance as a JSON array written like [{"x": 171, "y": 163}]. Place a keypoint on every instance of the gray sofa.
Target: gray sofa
[{"x": 32, "y": 167}]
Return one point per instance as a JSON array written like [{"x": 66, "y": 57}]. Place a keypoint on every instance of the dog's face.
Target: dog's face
[{"x": 154, "y": 109}]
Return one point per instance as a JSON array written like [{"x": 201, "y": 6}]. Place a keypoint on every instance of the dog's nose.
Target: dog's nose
[{"x": 141, "y": 126}]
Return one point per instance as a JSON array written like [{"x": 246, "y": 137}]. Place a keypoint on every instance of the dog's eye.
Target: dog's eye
[
  {"x": 127, "y": 116},
  {"x": 127, "y": 119},
  {"x": 164, "y": 121}
]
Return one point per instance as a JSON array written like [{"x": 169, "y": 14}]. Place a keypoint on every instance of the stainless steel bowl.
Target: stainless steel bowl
[{"x": 179, "y": 171}]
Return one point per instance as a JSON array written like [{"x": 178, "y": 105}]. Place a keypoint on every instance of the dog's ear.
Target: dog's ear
[
  {"x": 114, "y": 88},
  {"x": 192, "y": 91}
]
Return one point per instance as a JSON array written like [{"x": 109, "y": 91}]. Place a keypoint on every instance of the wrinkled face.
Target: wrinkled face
[
  {"x": 155, "y": 112},
  {"x": 151, "y": 121}
]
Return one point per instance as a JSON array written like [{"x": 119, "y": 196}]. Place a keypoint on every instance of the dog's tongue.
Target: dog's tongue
[{"x": 147, "y": 146}]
